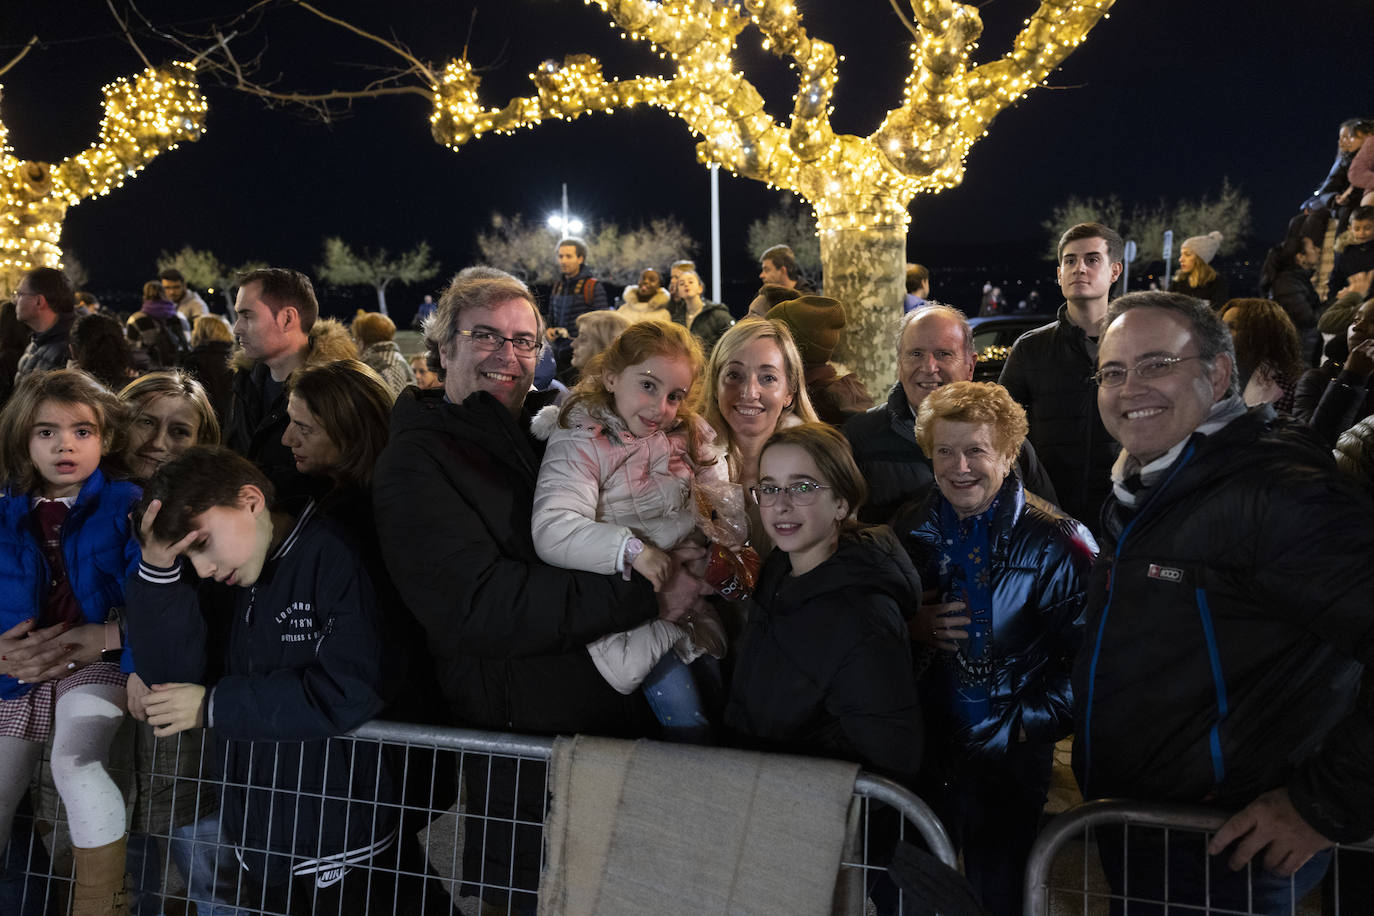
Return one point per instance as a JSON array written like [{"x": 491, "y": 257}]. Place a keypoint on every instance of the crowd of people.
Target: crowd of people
[{"x": 656, "y": 520}]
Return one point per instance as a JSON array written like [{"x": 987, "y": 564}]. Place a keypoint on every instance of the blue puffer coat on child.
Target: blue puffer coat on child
[{"x": 97, "y": 548}]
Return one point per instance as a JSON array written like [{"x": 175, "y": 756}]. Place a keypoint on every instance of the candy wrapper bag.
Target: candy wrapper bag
[{"x": 732, "y": 566}]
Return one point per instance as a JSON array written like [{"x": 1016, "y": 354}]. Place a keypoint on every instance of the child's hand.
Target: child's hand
[
  {"x": 136, "y": 692},
  {"x": 26, "y": 653},
  {"x": 654, "y": 565},
  {"x": 160, "y": 553},
  {"x": 174, "y": 708}
]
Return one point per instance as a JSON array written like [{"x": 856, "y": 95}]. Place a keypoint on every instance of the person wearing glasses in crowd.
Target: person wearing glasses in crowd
[
  {"x": 1007, "y": 576},
  {"x": 1227, "y": 624},
  {"x": 508, "y": 631},
  {"x": 824, "y": 666},
  {"x": 45, "y": 302}
]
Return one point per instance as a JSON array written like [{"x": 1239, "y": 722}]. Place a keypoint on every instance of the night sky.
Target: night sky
[{"x": 1163, "y": 99}]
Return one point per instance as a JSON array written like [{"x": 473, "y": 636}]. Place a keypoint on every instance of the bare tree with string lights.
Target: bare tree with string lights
[
  {"x": 145, "y": 115},
  {"x": 859, "y": 186}
]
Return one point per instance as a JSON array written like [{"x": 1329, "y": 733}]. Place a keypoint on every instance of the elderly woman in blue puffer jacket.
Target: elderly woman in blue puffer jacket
[{"x": 1000, "y": 629}]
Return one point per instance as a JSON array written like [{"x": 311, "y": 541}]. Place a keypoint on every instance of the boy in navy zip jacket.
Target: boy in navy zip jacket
[{"x": 271, "y": 637}]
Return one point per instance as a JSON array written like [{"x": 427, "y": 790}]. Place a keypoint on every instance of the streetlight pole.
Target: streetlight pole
[{"x": 715, "y": 233}]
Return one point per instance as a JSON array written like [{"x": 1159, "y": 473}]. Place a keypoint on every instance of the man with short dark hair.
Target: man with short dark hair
[
  {"x": 574, "y": 292},
  {"x": 188, "y": 302},
  {"x": 917, "y": 287},
  {"x": 273, "y": 316},
  {"x": 508, "y": 632},
  {"x": 1048, "y": 371},
  {"x": 934, "y": 348},
  {"x": 46, "y": 303},
  {"x": 778, "y": 265},
  {"x": 1228, "y": 619}
]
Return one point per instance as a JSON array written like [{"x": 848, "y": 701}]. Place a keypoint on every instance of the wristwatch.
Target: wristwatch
[
  {"x": 633, "y": 548},
  {"x": 112, "y": 653}
]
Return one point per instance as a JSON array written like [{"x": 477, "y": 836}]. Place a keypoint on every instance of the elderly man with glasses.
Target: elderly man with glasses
[
  {"x": 454, "y": 495},
  {"x": 1227, "y": 625}
]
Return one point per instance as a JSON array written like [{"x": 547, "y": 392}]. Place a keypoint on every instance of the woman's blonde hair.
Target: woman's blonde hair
[
  {"x": 742, "y": 334},
  {"x": 1201, "y": 274},
  {"x": 210, "y": 327},
  {"x": 974, "y": 402},
  {"x": 637, "y": 343},
  {"x": 178, "y": 384},
  {"x": 152, "y": 290},
  {"x": 601, "y": 327},
  {"x": 65, "y": 386}
]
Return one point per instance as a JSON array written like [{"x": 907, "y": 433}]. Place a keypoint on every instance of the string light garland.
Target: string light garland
[
  {"x": 144, "y": 116},
  {"x": 852, "y": 182}
]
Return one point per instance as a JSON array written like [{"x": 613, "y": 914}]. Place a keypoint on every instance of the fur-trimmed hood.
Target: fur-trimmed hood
[{"x": 329, "y": 342}]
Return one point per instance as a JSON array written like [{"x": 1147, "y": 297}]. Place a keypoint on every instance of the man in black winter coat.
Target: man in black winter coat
[
  {"x": 1228, "y": 621},
  {"x": 1047, "y": 371},
  {"x": 507, "y": 631},
  {"x": 934, "y": 348}
]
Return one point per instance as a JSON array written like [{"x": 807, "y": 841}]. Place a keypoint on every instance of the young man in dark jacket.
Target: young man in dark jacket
[
  {"x": 508, "y": 632},
  {"x": 274, "y": 643},
  {"x": 1228, "y": 622},
  {"x": 575, "y": 292},
  {"x": 1048, "y": 371}
]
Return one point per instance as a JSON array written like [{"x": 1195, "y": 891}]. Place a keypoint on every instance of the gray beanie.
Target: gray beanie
[{"x": 1204, "y": 246}]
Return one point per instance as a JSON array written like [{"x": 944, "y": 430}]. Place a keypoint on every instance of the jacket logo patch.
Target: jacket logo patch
[
  {"x": 298, "y": 622},
  {"x": 1167, "y": 573},
  {"x": 327, "y": 877}
]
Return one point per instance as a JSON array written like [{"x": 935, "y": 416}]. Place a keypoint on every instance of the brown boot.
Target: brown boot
[{"x": 100, "y": 888}]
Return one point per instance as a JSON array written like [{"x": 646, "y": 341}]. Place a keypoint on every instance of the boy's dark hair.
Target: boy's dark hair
[
  {"x": 53, "y": 285},
  {"x": 1362, "y": 213},
  {"x": 197, "y": 480},
  {"x": 916, "y": 275},
  {"x": 774, "y": 294},
  {"x": 1358, "y": 125},
  {"x": 1116, "y": 248},
  {"x": 171, "y": 273},
  {"x": 576, "y": 244},
  {"x": 280, "y": 287},
  {"x": 782, "y": 258}
]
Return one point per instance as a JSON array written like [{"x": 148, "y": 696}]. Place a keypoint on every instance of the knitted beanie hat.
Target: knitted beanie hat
[
  {"x": 1204, "y": 246},
  {"x": 815, "y": 322}
]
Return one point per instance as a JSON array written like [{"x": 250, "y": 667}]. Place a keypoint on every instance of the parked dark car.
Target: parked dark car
[{"x": 993, "y": 337}]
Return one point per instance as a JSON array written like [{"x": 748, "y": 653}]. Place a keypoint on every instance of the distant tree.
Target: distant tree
[
  {"x": 76, "y": 272},
  {"x": 619, "y": 255},
  {"x": 203, "y": 270},
  {"x": 344, "y": 267},
  {"x": 793, "y": 224},
  {"x": 615, "y": 254},
  {"x": 1228, "y": 212}
]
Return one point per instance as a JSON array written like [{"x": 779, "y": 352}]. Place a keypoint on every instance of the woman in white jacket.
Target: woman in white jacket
[{"x": 627, "y": 461}]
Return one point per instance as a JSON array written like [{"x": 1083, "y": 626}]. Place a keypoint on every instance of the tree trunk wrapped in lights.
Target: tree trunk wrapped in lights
[
  {"x": 860, "y": 187},
  {"x": 144, "y": 116}
]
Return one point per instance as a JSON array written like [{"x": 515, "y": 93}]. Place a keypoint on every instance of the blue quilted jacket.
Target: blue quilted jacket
[{"x": 97, "y": 547}]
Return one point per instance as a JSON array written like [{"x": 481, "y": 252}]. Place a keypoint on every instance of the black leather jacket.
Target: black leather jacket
[
  {"x": 1227, "y": 625},
  {"x": 1039, "y": 564}
]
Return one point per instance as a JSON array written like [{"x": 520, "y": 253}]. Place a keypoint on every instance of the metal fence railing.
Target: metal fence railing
[
  {"x": 1140, "y": 859},
  {"x": 409, "y": 819}
]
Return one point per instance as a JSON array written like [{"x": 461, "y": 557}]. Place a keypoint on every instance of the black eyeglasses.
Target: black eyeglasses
[
  {"x": 1149, "y": 367},
  {"x": 490, "y": 341},
  {"x": 801, "y": 493}
]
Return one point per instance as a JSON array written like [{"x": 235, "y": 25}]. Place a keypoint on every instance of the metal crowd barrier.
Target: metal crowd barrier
[
  {"x": 1065, "y": 873},
  {"x": 451, "y": 791}
]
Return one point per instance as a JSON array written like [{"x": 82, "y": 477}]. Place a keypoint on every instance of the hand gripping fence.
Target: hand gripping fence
[{"x": 1154, "y": 851}]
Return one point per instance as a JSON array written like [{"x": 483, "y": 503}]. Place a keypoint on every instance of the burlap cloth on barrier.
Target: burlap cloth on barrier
[{"x": 642, "y": 826}]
